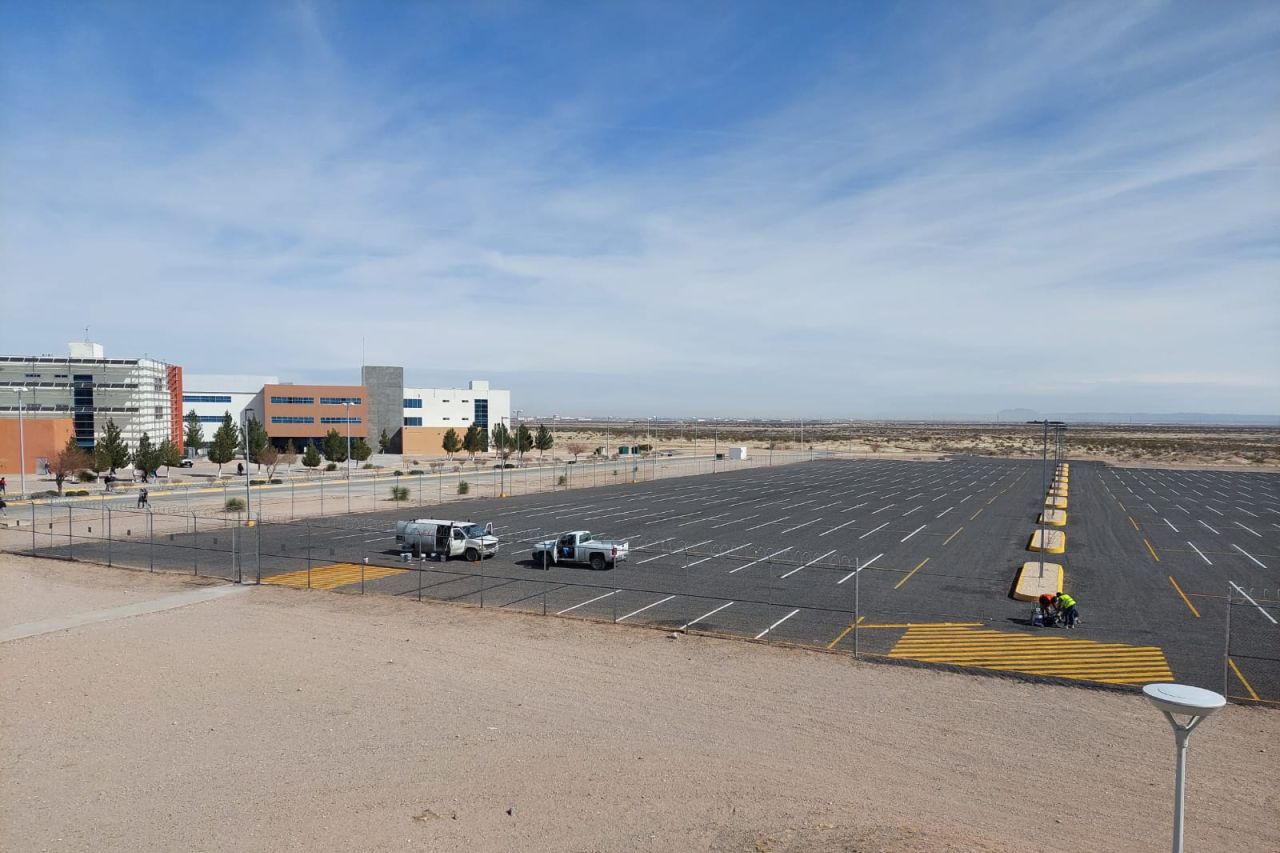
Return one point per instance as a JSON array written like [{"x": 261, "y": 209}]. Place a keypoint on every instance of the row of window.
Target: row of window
[
  {"x": 340, "y": 420},
  {"x": 301, "y": 401},
  {"x": 292, "y": 419},
  {"x": 340, "y": 401},
  {"x": 418, "y": 421},
  {"x": 308, "y": 401},
  {"x": 206, "y": 398},
  {"x": 416, "y": 402}
]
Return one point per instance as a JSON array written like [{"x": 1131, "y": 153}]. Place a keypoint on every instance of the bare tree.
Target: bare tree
[
  {"x": 576, "y": 448},
  {"x": 69, "y": 460},
  {"x": 269, "y": 457}
]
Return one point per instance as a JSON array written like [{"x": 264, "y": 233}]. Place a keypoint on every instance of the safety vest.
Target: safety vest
[{"x": 1065, "y": 601}]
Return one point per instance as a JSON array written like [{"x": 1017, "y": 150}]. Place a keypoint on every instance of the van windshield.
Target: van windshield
[{"x": 474, "y": 531}]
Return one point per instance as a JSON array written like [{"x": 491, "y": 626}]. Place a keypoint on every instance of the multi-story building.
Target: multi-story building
[
  {"x": 431, "y": 412},
  {"x": 304, "y": 414},
  {"x": 140, "y": 395},
  {"x": 212, "y": 396}
]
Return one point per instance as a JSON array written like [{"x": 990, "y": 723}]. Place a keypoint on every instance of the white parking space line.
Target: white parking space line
[
  {"x": 1170, "y": 523},
  {"x": 1183, "y": 508},
  {"x": 761, "y": 560},
  {"x": 700, "y": 520},
  {"x": 913, "y": 533},
  {"x": 882, "y": 509},
  {"x": 838, "y": 526},
  {"x": 1198, "y": 551},
  {"x": 1245, "y": 511},
  {"x": 721, "y": 554},
  {"x": 1216, "y": 532},
  {"x": 944, "y": 512},
  {"x": 767, "y": 523},
  {"x": 1211, "y": 509},
  {"x": 865, "y": 565},
  {"x": 908, "y": 512},
  {"x": 852, "y": 508},
  {"x": 734, "y": 521},
  {"x": 651, "y": 544},
  {"x": 869, "y": 532},
  {"x": 1247, "y": 554},
  {"x": 707, "y": 615},
  {"x": 1251, "y": 601},
  {"x": 1250, "y": 529},
  {"x": 591, "y": 601},
  {"x": 806, "y": 565},
  {"x": 776, "y": 624},
  {"x": 646, "y": 607},
  {"x": 798, "y": 526}
]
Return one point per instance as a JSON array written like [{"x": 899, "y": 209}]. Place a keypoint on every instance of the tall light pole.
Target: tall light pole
[
  {"x": 1195, "y": 704},
  {"x": 346, "y": 402},
  {"x": 22, "y": 444},
  {"x": 244, "y": 431},
  {"x": 1044, "y": 487}
]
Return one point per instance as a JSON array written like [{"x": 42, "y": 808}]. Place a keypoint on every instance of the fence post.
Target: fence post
[
  {"x": 482, "y": 581},
  {"x": 258, "y": 544},
  {"x": 363, "y": 562},
  {"x": 857, "y": 603},
  {"x": 70, "y": 541},
  {"x": 1226, "y": 646},
  {"x": 235, "y": 565},
  {"x": 308, "y": 556},
  {"x": 292, "y": 486},
  {"x": 195, "y": 546},
  {"x": 151, "y": 541},
  {"x": 33, "y": 525},
  {"x": 108, "y": 536},
  {"x": 419, "y": 571}
]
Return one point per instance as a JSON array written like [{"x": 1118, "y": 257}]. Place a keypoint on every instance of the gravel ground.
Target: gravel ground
[{"x": 293, "y": 720}]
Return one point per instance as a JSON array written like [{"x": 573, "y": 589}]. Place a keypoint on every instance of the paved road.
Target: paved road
[{"x": 923, "y": 553}]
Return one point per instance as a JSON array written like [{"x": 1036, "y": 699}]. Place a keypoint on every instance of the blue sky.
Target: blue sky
[{"x": 803, "y": 209}]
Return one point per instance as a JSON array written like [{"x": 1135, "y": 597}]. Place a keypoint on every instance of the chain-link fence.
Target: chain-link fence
[{"x": 1252, "y": 649}]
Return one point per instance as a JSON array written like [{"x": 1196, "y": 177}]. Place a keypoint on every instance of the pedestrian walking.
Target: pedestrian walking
[
  {"x": 3, "y": 507},
  {"x": 142, "y": 499},
  {"x": 4, "y": 486}
]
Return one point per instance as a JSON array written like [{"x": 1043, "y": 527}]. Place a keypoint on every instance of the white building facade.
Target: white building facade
[
  {"x": 457, "y": 407},
  {"x": 213, "y": 395}
]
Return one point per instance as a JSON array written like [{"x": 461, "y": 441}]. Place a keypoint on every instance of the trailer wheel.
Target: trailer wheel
[
  {"x": 597, "y": 561},
  {"x": 472, "y": 555}
]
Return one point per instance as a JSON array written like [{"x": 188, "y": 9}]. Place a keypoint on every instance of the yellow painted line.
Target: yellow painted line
[
  {"x": 332, "y": 576},
  {"x": 1253, "y": 694},
  {"x": 976, "y": 514},
  {"x": 1152, "y": 550},
  {"x": 952, "y": 536},
  {"x": 993, "y": 500},
  {"x": 1185, "y": 600},
  {"x": 910, "y": 573},
  {"x": 1134, "y": 523},
  {"x": 919, "y": 624},
  {"x": 844, "y": 633}
]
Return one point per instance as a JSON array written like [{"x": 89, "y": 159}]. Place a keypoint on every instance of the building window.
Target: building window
[
  {"x": 339, "y": 401},
  {"x": 412, "y": 404},
  {"x": 210, "y": 419},
  {"x": 444, "y": 401},
  {"x": 413, "y": 421},
  {"x": 481, "y": 413},
  {"x": 159, "y": 411},
  {"x": 290, "y": 419},
  {"x": 206, "y": 398},
  {"x": 294, "y": 401},
  {"x": 340, "y": 420}
]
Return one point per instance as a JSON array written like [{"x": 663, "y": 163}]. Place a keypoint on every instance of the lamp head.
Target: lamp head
[{"x": 1184, "y": 699}]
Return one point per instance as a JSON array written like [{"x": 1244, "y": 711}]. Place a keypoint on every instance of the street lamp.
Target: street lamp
[
  {"x": 22, "y": 443},
  {"x": 346, "y": 402},
  {"x": 244, "y": 431},
  {"x": 1195, "y": 704}
]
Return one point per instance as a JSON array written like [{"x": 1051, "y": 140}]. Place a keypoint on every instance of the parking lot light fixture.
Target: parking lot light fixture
[{"x": 1185, "y": 707}]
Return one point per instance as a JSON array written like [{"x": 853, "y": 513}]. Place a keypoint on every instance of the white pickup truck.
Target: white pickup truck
[{"x": 580, "y": 546}]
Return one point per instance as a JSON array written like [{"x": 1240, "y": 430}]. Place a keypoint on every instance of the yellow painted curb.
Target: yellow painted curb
[
  {"x": 1032, "y": 584},
  {"x": 1057, "y": 493},
  {"x": 1054, "y": 517},
  {"x": 1055, "y": 542},
  {"x": 1055, "y": 502}
]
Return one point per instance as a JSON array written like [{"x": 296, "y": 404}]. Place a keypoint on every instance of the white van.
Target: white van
[{"x": 447, "y": 538}]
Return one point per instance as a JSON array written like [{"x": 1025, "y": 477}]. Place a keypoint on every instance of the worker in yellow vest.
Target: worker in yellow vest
[{"x": 1067, "y": 607}]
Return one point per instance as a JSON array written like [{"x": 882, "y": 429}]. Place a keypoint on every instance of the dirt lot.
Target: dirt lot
[{"x": 287, "y": 720}]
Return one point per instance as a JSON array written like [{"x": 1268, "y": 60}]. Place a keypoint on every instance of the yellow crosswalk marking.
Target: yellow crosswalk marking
[
  {"x": 332, "y": 576},
  {"x": 1034, "y": 654}
]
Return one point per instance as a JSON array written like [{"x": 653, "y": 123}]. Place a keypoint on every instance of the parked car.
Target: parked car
[
  {"x": 187, "y": 463},
  {"x": 580, "y": 547}
]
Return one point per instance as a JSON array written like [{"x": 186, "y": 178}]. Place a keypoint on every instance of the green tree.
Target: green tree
[
  {"x": 335, "y": 446},
  {"x": 146, "y": 458},
  {"x": 384, "y": 442},
  {"x": 169, "y": 455},
  {"x": 256, "y": 438},
  {"x": 452, "y": 444},
  {"x": 360, "y": 449},
  {"x": 225, "y": 441},
  {"x": 482, "y": 441},
  {"x": 524, "y": 440},
  {"x": 68, "y": 461},
  {"x": 112, "y": 447},
  {"x": 503, "y": 441},
  {"x": 471, "y": 441},
  {"x": 311, "y": 457},
  {"x": 544, "y": 440},
  {"x": 194, "y": 437}
]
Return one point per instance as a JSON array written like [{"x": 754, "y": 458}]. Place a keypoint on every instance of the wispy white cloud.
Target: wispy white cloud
[{"x": 1075, "y": 208}]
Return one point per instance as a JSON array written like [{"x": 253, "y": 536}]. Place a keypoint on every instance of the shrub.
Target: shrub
[
  {"x": 86, "y": 476},
  {"x": 416, "y": 471},
  {"x": 463, "y": 487},
  {"x": 234, "y": 505},
  {"x": 257, "y": 482},
  {"x": 562, "y": 480},
  {"x": 332, "y": 466},
  {"x": 78, "y": 493},
  {"x": 276, "y": 481},
  {"x": 397, "y": 473},
  {"x": 366, "y": 466},
  {"x": 399, "y": 493}
]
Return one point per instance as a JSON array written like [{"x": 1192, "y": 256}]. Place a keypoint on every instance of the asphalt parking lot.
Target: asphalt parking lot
[{"x": 920, "y": 557}]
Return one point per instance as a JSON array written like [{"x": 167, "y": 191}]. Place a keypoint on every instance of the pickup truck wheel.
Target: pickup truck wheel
[
  {"x": 472, "y": 555},
  {"x": 597, "y": 561}
]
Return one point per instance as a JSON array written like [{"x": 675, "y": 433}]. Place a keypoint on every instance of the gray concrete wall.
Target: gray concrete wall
[{"x": 386, "y": 402}]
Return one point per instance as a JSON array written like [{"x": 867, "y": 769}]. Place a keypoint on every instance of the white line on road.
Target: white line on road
[
  {"x": 807, "y": 565},
  {"x": 1216, "y": 532},
  {"x": 944, "y": 512},
  {"x": 705, "y": 616},
  {"x": 1247, "y": 554},
  {"x": 1251, "y": 601},
  {"x": 869, "y": 532},
  {"x": 779, "y": 622},
  {"x": 713, "y": 556},
  {"x": 1198, "y": 551},
  {"x": 767, "y": 523},
  {"x": 1211, "y": 509},
  {"x": 761, "y": 560},
  {"x": 646, "y": 607},
  {"x": 838, "y": 526},
  {"x": 882, "y": 509},
  {"x": 591, "y": 601},
  {"x": 734, "y": 521},
  {"x": 908, "y": 512},
  {"x": 865, "y": 565},
  {"x": 1250, "y": 529},
  {"x": 700, "y": 520},
  {"x": 1245, "y": 511},
  {"x": 1170, "y": 523},
  {"x": 798, "y": 526},
  {"x": 913, "y": 533}
]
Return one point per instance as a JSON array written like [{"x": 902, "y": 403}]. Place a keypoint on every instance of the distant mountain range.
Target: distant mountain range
[{"x": 1173, "y": 418}]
